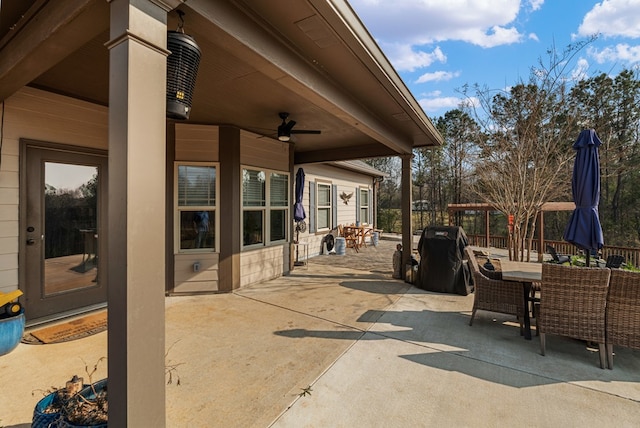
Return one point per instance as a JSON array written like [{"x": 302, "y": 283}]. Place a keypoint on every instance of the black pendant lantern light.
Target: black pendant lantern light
[{"x": 182, "y": 69}]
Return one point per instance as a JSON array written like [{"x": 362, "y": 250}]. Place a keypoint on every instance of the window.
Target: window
[
  {"x": 279, "y": 198},
  {"x": 265, "y": 202},
  {"x": 196, "y": 206},
  {"x": 364, "y": 205},
  {"x": 323, "y": 217}
]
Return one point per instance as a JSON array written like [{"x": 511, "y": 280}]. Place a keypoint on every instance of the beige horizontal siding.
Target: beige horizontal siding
[
  {"x": 9, "y": 280},
  {"x": 188, "y": 281},
  {"x": 263, "y": 152},
  {"x": 9, "y": 195},
  {"x": 197, "y": 143},
  {"x": 9, "y": 228},
  {"x": 43, "y": 116},
  {"x": 263, "y": 264},
  {"x": 345, "y": 181}
]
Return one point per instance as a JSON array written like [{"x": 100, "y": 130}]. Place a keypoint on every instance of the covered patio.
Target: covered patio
[{"x": 91, "y": 75}]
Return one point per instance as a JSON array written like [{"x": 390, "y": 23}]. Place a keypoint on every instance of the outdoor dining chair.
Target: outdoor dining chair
[
  {"x": 494, "y": 295},
  {"x": 558, "y": 258},
  {"x": 572, "y": 304},
  {"x": 350, "y": 236},
  {"x": 614, "y": 261},
  {"x": 623, "y": 312}
]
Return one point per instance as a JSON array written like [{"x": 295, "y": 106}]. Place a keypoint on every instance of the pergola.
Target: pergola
[{"x": 486, "y": 208}]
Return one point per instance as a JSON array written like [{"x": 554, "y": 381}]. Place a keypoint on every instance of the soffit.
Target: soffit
[{"x": 282, "y": 56}]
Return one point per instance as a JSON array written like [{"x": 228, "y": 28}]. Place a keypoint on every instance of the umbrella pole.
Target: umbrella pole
[
  {"x": 587, "y": 256},
  {"x": 297, "y": 262}
]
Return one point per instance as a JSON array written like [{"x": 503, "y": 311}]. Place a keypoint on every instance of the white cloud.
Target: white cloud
[
  {"x": 534, "y": 37},
  {"x": 437, "y": 76},
  {"x": 536, "y": 4},
  {"x": 612, "y": 18},
  {"x": 618, "y": 53},
  {"x": 420, "y": 22},
  {"x": 579, "y": 72},
  {"x": 405, "y": 58},
  {"x": 431, "y": 105}
]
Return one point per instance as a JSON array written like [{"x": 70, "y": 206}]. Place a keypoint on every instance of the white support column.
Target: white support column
[{"x": 136, "y": 246}]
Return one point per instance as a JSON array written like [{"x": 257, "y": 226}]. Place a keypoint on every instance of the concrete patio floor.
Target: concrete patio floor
[{"x": 369, "y": 350}]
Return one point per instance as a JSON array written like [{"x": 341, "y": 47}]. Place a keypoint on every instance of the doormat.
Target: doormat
[{"x": 70, "y": 330}]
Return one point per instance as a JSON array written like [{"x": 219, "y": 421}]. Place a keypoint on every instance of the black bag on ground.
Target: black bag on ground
[{"x": 442, "y": 265}]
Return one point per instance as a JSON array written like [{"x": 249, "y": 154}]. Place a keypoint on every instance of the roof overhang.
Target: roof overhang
[
  {"x": 311, "y": 58},
  {"x": 359, "y": 167}
]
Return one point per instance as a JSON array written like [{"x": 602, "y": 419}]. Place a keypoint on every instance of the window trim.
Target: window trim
[
  {"x": 266, "y": 209},
  {"x": 364, "y": 189},
  {"x": 318, "y": 207},
  {"x": 177, "y": 209}
]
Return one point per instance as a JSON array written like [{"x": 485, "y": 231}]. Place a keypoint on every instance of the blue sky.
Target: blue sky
[{"x": 437, "y": 46}]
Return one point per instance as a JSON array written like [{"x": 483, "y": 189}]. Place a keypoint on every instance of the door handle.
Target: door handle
[{"x": 31, "y": 241}]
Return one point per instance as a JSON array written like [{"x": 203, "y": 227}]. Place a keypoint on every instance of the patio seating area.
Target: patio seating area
[
  {"x": 358, "y": 236},
  {"x": 569, "y": 301},
  {"x": 368, "y": 349}
]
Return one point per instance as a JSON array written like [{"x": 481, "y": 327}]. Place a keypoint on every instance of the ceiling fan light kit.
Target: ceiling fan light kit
[{"x": 286, "y": 128}]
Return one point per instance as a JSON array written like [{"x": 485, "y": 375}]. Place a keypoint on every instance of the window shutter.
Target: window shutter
[
  {"x": 312, "y": 207},
  {"x": 357, "y": 204},
  {"x": 370, "y": 210},
  {"x": 334, "y": 206}
]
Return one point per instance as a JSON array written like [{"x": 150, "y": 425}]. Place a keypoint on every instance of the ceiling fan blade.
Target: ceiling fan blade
[
  {"x": 305, "y": 131},
  {"x": 289, "y": 126}
]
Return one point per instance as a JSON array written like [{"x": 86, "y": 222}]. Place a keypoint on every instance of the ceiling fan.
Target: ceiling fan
[{"x": 286, "y": 128}]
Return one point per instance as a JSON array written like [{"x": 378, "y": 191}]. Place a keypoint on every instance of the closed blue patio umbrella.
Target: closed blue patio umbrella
[
  {"x": 584, "y": 229},
  {"x": 298, "y": 209}
]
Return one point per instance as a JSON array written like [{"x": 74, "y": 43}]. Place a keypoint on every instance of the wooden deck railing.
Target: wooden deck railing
[{"x": 631, "y": 255}]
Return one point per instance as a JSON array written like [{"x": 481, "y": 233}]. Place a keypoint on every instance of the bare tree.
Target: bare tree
[{"x": 525, "y": 146}]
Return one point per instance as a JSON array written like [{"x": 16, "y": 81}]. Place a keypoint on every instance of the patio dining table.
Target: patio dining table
[
  {"x": 357, "y": 235},
  {"x": 525, "y": 273}
]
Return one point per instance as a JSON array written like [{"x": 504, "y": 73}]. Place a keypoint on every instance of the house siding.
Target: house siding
[
  {"x": 263, "y": 152},
  {"x": 197, "y": 143},
  {"x": 263, "y": 264},
  {"x": 204, "y": 281},
  {"x": 345, "y": 214}
]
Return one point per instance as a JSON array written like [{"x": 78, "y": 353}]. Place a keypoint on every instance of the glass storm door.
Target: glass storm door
[{"x": 63, "y": 231}]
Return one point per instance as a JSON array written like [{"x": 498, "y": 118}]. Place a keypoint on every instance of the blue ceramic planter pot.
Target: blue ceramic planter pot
[
  {"x": 11, "y": 331},
  {"x": 42, "y": 419},
  {"x": 88, "y": 393}
]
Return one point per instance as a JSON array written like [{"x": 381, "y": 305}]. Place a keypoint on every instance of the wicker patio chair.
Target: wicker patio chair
[
  {"x": 493, "y": 295},
  {"x": 623, "y": 312},
  {"x": 572, "y": 304},
  {"x": 614, "y": 261}
]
